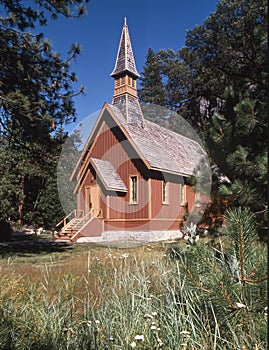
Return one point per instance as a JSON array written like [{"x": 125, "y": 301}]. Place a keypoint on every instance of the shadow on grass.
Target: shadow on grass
[{"x": 25, "y": 245}]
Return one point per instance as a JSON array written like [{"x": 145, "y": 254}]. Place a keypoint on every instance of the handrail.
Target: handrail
[
  {"x": 74, "y": 212},
  {"x": 79, "y": 220},
  {"x": 91, "y": 215}
]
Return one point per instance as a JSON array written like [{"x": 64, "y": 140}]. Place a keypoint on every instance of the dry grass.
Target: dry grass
[{"x": 99, "y": 297}]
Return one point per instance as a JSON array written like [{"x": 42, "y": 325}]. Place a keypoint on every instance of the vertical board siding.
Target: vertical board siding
[
  {"x": 172, "y": 208},
  {"x": 142, "y": 225},
  {"x": 110, "y": 144},
  {"x": 120, "y": 207}
]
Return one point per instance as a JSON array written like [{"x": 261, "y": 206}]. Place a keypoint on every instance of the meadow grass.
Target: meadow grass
[{"x": 97, "y": 297}]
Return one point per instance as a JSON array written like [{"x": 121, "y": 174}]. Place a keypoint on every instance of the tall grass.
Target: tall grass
[{"x": 143, "y": 299}]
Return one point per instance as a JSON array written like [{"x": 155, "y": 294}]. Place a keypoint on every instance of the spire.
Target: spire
[
  {"x": 125, "y": 75},
  {"x": 125, "y": 63}
]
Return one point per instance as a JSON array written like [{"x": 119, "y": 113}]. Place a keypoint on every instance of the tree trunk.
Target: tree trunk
[
  {"x": 21, "y": 202},
  {"x": 35, "y": 204}
]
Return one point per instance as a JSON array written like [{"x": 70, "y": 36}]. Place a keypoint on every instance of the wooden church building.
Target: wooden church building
[{"x": 131, "y": 175}]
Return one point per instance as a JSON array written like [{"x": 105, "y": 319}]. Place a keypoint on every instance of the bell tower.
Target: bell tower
[{"x": 125, "y": 73}]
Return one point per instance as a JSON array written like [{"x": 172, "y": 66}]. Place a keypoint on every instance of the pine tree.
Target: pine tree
[
  {"x": 227, "y": 55},
  {"x": 152, "y": 90},
  {"x": 222, "y": 84},
  {"x": 36, "y": 98}
]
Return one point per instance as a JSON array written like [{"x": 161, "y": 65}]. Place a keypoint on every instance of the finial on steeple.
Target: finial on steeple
[
  {"x": 125, "y": 62},
  {"x": 125, "y": 75}
]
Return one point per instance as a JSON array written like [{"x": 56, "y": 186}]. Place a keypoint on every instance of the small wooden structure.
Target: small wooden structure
[{"x": 131, "y": 176}]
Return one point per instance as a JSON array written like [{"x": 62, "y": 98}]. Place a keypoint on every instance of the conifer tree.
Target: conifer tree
[
  {"x": 152, "y": 90},
  {"x": 218, "y": 83},
  {"x": 227, "y": 55},
  {"x": 36, "y": 98}
]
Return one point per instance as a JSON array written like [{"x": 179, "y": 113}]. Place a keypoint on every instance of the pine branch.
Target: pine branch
[
  {"x": 197, "y": 285},
  {"x": 257, "y": 281},
  {"x": 241, "y": 250},
  {"x": 234, "y": 307}
]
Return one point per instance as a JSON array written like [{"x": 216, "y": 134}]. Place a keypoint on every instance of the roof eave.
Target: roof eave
[
  {"x": 85, "y": 148},
  {"x": 171, "y": 172}
]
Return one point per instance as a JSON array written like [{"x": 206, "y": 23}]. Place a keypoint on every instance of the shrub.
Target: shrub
[{"x": 5, "y": 231}]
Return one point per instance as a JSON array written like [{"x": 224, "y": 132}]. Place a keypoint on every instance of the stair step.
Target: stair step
[{"x": 73, "y": 227}]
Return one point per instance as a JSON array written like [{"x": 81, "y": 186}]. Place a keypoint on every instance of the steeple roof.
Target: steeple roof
[{"x": 125, "y": 62}]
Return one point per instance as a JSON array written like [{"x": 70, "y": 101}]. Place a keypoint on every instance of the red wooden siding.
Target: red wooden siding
[
  {"x": 142, "y": 225},
  {"x": 110, "y": 147},
  {"x": 150, "y": 213},
  {"x": 120, "y": 207},
  {"x": 173, "y": 209},
  {"x": 94, "y": 228}
]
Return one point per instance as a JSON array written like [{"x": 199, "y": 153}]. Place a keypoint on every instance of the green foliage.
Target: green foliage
[
  {"x": 227, "y": 55},
  {"x": 151, "y": 82},
  {"x": 5, "y": 231},
  {"x": 36, "y": 99},
  {"x": 49, "y": 210},
  {"x": 218, "y": 83},
  {"x": 214, "y": 278},
  {"x": 241, "y": 228}
]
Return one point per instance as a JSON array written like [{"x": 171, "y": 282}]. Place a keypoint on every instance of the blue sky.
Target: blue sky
[{"x": 152, "y": 24}]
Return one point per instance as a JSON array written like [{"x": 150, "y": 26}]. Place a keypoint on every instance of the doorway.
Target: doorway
[{"x": 92, "y": 199}]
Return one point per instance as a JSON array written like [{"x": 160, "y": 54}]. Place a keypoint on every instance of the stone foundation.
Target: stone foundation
[{"x": 149, "y": 236}]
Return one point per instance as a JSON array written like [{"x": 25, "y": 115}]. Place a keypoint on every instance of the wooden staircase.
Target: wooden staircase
[{"x": 73, "y": 223}]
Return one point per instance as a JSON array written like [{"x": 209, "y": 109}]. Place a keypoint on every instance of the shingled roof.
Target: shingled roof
[
  {"x": 108, "y": 175},
  {"x": 161, "y": 148},
  {"x": 125, "y": 58}
]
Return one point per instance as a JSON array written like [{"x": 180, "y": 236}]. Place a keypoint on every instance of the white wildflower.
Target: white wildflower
[
  {"x": 139, "y": 337},
  {"x": 154, "y": 313},
  {"x": 133, "y": 344},
  {"x": 148, "y": 316},
  {"x": 240, "y": 306},
  {"x": 160, "y": 342},
  {"x": 185, "y": 333}
]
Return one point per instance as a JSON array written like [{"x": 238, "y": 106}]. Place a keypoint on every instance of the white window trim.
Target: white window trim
[
  {"x": 183, "y": 190},
  {"x": 131, "y": 201},
  {"x": 166, "y": 199}
]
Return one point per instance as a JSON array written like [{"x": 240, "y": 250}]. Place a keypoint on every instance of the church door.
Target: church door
[{"x": 92, "y": 199}]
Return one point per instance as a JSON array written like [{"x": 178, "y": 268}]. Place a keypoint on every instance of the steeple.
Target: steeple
[{"x": 125, "y": 73}]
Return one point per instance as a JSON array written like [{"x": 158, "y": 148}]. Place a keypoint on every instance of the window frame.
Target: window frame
[
  {"x": 165, "y": 192},
  {"x": 183, "y": 199},
  {"x": 133, "y": 199}
]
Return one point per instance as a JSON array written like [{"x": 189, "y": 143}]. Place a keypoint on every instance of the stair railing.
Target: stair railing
[
  {"x": 74, "y": 214},
  {"x": 93, "y": 213}
]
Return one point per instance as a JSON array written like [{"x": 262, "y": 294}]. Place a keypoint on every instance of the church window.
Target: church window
[{"x": 133, "y": 189}]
